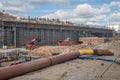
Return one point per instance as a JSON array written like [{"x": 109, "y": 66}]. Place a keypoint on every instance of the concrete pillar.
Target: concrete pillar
[
  {"x": 2, "y": 34},
  {"x": 14, "y": 34}
]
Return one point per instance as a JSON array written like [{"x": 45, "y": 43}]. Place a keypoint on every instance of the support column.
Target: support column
[
  {"x": 2, "y": 33},
  {"x": 14, "y": 35}
]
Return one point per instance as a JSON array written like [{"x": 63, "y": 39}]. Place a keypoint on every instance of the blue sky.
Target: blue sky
[{"x": 97, "y": 12}]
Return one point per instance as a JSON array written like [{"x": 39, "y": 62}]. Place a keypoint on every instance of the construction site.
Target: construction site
[{"x": 43, "y": 49}]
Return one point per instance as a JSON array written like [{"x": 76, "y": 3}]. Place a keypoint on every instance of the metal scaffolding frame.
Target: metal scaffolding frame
[{"x": 18, "y": 33}]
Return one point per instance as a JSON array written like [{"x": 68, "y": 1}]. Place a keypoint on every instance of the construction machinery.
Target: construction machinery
[
  {"x": 33, "y": 43},
  {"x": 68, "y": 42}
]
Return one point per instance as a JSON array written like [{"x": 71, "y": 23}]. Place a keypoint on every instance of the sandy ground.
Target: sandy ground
[{"x": 79, "y": 69}]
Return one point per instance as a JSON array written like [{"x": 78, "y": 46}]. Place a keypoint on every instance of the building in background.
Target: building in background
[{"x": 115, "y": 27}]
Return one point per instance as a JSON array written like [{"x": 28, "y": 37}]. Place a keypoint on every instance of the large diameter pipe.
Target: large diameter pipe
[
  {"x": 16, "y": 70},
  {"x": 104, "y": 52},
  {"x": 65, "y": 57},
  {"x": 19, "y": 69},
  {"x": 96, "y": 52}
]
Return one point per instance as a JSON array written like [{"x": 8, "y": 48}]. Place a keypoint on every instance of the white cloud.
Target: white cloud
[
  {"x": 93, "y": 23},
  {"x": 59, "y": 14},
  {"x": 83, "y": 13},
  {"x": 85, "y": 10},
  {"x": 115, "y": 3},
  {"x": 15, "y": 7},
  {"x": 1, "y": 5},
  {"x": 87, "y": 14},
  {"x": 114, "y": 17},
  {"x": 105, "y": 9},
  {"x": 48, "y": 1},
  {"x": 78, "y": 20},
  {"x": 100, "y": 18}
]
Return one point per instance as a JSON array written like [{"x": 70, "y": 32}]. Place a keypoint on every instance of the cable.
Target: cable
[{"x": 108, "y": 67}]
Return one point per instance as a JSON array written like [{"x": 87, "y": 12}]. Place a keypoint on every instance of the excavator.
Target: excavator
[{"x": 33, "y": 43}]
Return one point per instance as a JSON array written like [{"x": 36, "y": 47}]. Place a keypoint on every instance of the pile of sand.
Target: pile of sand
[{"x": 45, "y": 51}]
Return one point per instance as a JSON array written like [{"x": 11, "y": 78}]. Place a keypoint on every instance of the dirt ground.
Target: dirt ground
[{"x": 80, "y": 69}]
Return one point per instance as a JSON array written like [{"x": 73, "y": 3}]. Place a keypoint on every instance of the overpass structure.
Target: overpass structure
[{"x": 17, "y": 33}]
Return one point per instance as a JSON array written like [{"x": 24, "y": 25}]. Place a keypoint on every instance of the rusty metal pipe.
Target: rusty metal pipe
[
  {"x": 19, "y": 69},
  {"x": 103, "y": 52},
  {"x": 64, "y": 57},
  {"x": 96, "y": 52},
  {"x": 16, "y": 70}
]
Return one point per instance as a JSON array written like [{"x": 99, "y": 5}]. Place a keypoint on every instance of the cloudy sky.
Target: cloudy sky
[{"x": 97, "y": 12}]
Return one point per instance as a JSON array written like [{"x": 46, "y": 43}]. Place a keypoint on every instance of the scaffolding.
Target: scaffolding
[{"x": 18, "y": 33}]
